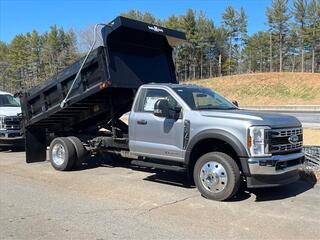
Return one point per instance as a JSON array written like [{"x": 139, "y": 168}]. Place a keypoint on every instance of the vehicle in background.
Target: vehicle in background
[{"x": 11, "y": 136}]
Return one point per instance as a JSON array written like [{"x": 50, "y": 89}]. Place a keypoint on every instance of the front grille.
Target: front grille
[
  {"x": 286, "y": 140},
  {"x": 11, "y": 123},
  {"x": 13, "y": 135}
]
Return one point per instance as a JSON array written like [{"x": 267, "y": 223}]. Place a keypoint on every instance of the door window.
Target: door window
[{"x": 153, "y": 95}]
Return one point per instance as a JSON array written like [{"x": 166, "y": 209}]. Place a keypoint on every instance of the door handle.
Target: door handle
[{"x": 142, "y": 122}]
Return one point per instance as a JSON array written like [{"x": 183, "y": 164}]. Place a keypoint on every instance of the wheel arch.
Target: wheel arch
[{"x": 216, "y": 140}]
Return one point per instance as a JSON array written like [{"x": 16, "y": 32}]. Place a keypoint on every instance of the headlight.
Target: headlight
[
  {"x": 2, "y": 122},
  {"x": 258, "y": 141}
]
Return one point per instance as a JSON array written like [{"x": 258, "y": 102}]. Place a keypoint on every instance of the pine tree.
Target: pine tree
[
  {"x": 173, "y": 22},
  {"x": 293, "y": 45},
  {"x": 257, "y": 52},
  {"x": 35, "y": 65},
  {"x": 18, "y": 61},
  {"x": 4, "y": 64},
  {"x": 313, "y": 20},
  {"x": 230, "y": 21},
  {"x": 278, "y": 17},
  {"x": 189, "y": 26},
  {"x": 243, "y": 35},
  {"x": 299, "y": 12}
]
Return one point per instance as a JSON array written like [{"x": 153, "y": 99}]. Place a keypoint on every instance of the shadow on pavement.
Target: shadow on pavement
[
  {"x": 181, "y": 180},
  {"x": 11, "y": 149},
  {"x": 273, "y": 193}
]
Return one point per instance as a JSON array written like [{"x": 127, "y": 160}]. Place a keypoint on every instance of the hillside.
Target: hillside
[{"x": 268, "y": 88}]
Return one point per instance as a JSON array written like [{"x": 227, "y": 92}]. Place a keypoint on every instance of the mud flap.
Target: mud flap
[{"x": 36, "y": 145}]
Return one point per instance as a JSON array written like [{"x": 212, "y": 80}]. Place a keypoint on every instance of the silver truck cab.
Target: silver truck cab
[
  {"x": 10, "y": 129},
  {"x": 214, "y": 138}
]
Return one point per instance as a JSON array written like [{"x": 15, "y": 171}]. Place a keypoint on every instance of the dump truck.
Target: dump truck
[{"x": 171, "y": 126}]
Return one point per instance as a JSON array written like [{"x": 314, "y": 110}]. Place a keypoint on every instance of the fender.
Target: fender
[{"x": 220, "y": 135}]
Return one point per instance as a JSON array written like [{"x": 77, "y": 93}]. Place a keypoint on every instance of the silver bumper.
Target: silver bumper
[{"x": 276, "y": 165}]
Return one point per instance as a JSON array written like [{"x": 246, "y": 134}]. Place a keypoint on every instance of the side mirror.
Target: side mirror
[
  {"x": 177, "y": 111},
  {"x": 235, "y": 103},
  {"x": 161, "y": 108}
]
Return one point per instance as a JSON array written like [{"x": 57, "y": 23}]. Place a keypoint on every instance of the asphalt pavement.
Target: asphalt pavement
[{"x": 111, "y": 199}]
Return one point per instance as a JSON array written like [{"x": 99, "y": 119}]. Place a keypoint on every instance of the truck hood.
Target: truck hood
[
  {"x": 9, "y": 111},
  {"x": 275, "y": 120}
]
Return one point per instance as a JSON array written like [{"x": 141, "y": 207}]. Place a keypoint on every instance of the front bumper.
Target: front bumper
[
  {"x": 275, "y": 170},
  {"x": 11, "y": 138}
]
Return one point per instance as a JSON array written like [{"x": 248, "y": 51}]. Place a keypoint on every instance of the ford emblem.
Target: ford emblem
[{"x": 293, "y": 139}]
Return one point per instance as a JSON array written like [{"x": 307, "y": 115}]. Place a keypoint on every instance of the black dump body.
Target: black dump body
[{"x": 134, "y": 53}]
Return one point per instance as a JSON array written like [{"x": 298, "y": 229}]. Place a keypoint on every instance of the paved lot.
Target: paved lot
[{"x": 109, "y": 200}]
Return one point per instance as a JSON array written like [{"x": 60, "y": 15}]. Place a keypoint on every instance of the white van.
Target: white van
[{"x": 10, "y": 130}]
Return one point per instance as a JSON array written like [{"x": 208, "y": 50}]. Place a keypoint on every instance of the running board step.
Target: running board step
[{"x": 159, "y": 166}]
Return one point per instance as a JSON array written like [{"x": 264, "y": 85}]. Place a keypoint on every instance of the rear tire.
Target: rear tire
[
  {"x": 217, "y": 176},
  {"x": 81, "y": 153},
  {"x": 62, "y": 154}
]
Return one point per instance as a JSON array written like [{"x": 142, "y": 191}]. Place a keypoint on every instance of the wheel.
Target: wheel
[
  {"x": 217, "y": 176},
  {"x": 62, "y": 154},
  {"x": 81, "y": 153}
]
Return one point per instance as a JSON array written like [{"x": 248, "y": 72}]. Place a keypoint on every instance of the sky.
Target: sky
[{"x": 22, "y": 16}]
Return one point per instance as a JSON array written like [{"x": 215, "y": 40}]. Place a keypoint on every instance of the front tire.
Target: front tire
[
  {"x": 217, "y": 176},
  {"x": 62, "y": 154}
]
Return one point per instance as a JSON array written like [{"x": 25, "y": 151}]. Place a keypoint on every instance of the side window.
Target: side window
[{"x": 153, "y": 95}]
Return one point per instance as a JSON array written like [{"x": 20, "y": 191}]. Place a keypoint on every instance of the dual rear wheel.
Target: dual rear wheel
[{"x": 66, "y": 153}]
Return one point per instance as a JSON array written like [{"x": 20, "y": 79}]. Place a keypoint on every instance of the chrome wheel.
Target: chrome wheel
[
  {"x": 58, "y": 154},
  {"x": 213, "y": 177}
]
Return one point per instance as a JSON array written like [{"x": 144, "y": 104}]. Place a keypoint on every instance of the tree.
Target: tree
[
  {"x": 4, "y": 64},
  {"x": 230, "y": 22},
  {"x": 299, "y": 12},
  {"x": 313, "y": 20},
  {"x": 85, "y": 38},
  {"x": 257, "y": 52},
  {"x": 173, "y": 22},
  {"x": 243, "y": 35},
  {"x": 34, "y": 59},
  {"x": 293, "y": 45},
  {"x": 145, "y": 17},
  {"x": 18, "y": 61},
  {"x": 188, "y": 24},
  {"x": 278, "y": 17}
]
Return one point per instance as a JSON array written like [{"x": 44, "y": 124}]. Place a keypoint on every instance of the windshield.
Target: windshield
[
  {"x": 9, "y": 101},
  {"x": 199, "y": 98}
]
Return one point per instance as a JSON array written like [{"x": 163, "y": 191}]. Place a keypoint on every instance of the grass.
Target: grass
[
  {"x": 311, "y": 137},
  {"x": 268, "y": 88}
]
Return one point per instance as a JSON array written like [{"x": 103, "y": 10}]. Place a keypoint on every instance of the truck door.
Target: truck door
[{"x": 153, "y": 136}]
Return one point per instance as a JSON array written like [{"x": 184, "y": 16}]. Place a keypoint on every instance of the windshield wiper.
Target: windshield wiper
[
  {"x": 215, "y": 108},
  {"x": 206, "y": 108}
]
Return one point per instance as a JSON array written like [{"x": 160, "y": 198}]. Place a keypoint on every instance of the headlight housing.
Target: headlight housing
[{"x": 258, "y": 141}]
